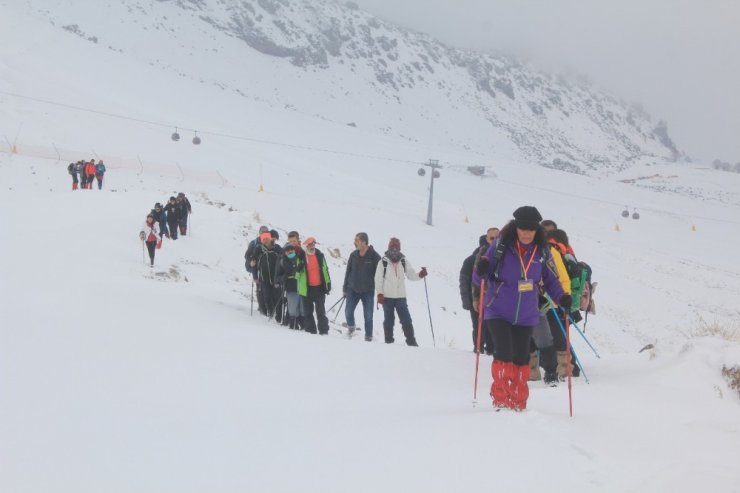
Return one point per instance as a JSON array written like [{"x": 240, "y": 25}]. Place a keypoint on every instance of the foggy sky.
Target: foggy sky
[{"x": 680, "y": 59}]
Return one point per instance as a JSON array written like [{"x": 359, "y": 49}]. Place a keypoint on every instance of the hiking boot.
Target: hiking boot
[
  {"x": 551, "y": 378},
  {"x": 534, "y": 367},
  {"x": 369, "y": 338}
]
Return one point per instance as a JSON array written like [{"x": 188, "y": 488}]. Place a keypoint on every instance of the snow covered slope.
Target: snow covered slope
[
  {"x": 335, "y": 62},
  {"x": 118, "y": 377}
]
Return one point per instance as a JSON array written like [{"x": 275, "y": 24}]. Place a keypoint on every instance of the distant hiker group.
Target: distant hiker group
[
  {"x": 523, "y": 285},
  {"x": 167, "y": 222},
  {"x": 292, "y": 283},
  {"x": 85, "y": 172}
]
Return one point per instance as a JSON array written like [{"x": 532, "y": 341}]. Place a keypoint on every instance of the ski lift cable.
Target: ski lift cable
[
  {"x": 213, "y": 133},
  {"x": 620, "y": 204},
  {"x": 346, "y": 153}
]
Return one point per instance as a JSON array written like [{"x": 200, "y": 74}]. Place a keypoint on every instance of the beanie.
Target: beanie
[{"x": 527, "y": 217}]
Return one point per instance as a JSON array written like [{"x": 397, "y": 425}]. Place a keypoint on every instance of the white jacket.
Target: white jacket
[
  {"x": 393, "y": 285},
  {"x": 154, "y": 229}
]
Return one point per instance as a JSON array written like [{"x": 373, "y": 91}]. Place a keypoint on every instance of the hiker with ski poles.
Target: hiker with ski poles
[
  {"x": 390, "y": 283},
  {"x": 512, "y": 268}
]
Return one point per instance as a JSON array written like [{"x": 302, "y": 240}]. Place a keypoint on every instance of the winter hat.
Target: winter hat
[
  {"x": 394, "y": 244},
  {"x": 288, "y": 247},
  {"x": 310, "y": 241},
  {"x": 157, "y": 205},
  {"x": 265, "y": 236},
  {"x": 527, "y": 217}
]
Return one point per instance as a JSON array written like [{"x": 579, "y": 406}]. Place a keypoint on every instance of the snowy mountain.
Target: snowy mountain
[
  {"x": 115, "y": 376},
  {"x": 336, "y": 62}
]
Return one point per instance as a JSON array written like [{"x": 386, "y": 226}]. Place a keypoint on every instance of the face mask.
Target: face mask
[{"x": 291, "y": 256}]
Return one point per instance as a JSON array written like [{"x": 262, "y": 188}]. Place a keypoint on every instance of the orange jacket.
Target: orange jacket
[{"x": 90, "y": 169}]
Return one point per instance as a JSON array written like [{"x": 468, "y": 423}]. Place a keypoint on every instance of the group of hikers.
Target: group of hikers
[
  {"x": 167, "y": 221},
  {"x": 524, "y": 278},
  {"x": 529, "y": 285},
  {"x": 292, "y": 282},
  {"x": 84, "y": 172},
  {"x": 522, "y": 284}
]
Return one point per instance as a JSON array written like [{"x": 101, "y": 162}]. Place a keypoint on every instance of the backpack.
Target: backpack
[
  {"x": 581, "y": 286},
  {"x": 71, "y": 168}
]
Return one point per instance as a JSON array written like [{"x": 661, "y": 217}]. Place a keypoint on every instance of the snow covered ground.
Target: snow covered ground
[{"x": 117, "y": 377}]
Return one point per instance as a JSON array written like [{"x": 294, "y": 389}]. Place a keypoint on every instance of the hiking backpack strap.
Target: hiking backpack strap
[{"x": 385, "y": 265}]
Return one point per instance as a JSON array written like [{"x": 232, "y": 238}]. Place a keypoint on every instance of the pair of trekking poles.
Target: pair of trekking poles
[
  {"x": 426, "y": 291},
  {"x": 568, "y": 348}
]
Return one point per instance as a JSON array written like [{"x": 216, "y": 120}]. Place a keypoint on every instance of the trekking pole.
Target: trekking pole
[
  {"x": 570, "y": 367},
  {"x": 429, "y": 309},
  {"x": 251, "y": 304},
  {"x": 339, "y": 310},
  {"x": 477, "y": 344},
  {"x": 143, "y": 255},
  {"x": 572, "y": 323},
  {"x": 335, "y": 304},
  {"x": 567, "y": 342}
]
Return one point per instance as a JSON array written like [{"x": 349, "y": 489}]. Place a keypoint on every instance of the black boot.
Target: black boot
[
  {"x": 549, "y": 362},
  {"x": 408, "y": 332},
  {"x": 388, "y": 333}
]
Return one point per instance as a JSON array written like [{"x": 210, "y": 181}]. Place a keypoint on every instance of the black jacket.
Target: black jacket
[
  {"x": 468, "y": 292},
  {"x": 267, "y": 265},
  {"x": 286, "y": 270},
  {"x": 360, "y": 274},
  {"x": 184, "y": 208},
  {"x": 173, "y": 212}
]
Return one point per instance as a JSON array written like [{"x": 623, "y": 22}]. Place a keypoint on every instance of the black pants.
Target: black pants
[
  {"x": 510, "y": 342},
  {"x": 486, "y": 343},
  {"x": 558, "y": 339},
  {"x": 271, "y": 297},
  {"x": 172, "y": 226},
  {"x": 151, "y": 246},
  {"x": 315, "y": 298}
]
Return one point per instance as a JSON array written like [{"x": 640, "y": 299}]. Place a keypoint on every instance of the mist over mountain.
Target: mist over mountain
[{"x": 336, "y": 62}]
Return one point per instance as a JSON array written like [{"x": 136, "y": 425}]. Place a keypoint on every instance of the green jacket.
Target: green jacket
[{"x": 301, "y": 275}]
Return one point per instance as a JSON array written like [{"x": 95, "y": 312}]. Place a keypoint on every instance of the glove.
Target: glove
[
  {"x": 381, "y": 298},
  {"x": 483, "y": 266},
  {"x": 423, "y": 273},
  {"x": 566, "y": 301},
  {"x": 576, "y": 316}
]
